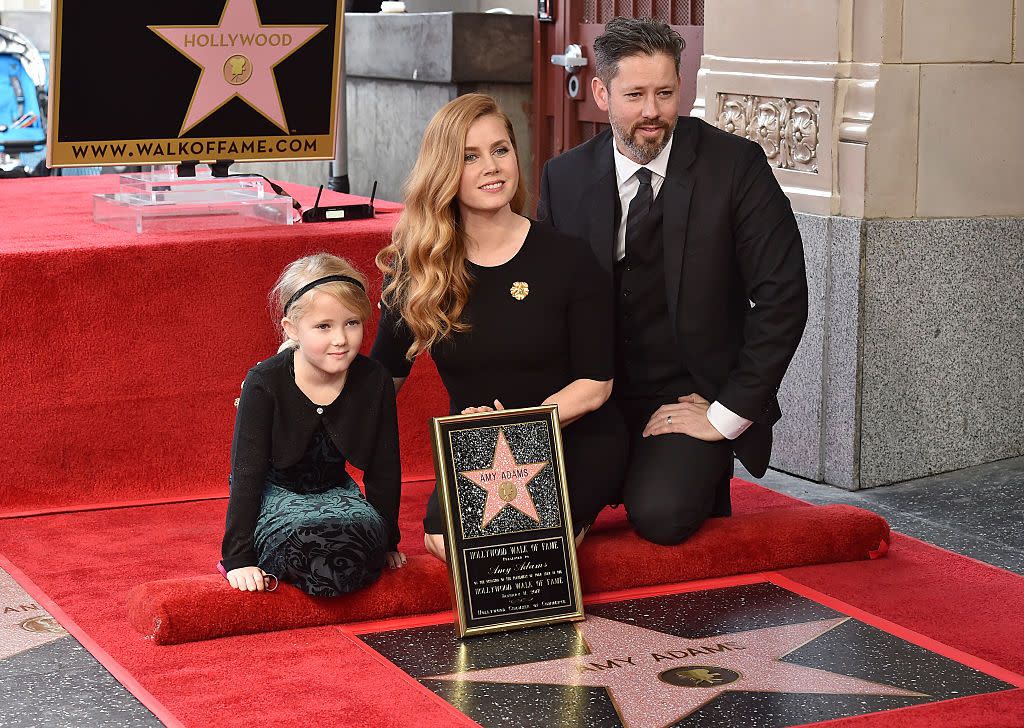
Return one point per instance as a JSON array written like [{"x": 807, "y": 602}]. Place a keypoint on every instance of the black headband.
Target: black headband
[{"x": 313, "y": 284}]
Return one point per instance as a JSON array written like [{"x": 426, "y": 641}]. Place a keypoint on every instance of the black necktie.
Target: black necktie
[{"x": 639, "y": 206}]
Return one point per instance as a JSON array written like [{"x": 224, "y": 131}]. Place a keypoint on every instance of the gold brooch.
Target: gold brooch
[{"x": 520, "y": 290}]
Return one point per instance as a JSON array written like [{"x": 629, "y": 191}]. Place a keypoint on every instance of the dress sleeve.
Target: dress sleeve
[
  {"x": 383, "y": 476},
  {"x": 250, "y": 459},
  {"x": 591, "y": 317},
  {"x": 393, "y": 339}
]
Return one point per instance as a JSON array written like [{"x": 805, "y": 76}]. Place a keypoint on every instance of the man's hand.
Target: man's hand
[
  {"x": 688, "y": 417},
  {"x": 396, "y": 559},
  {"x": 477, "y": 410}
]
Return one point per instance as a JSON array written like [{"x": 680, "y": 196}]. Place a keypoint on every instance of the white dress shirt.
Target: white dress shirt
[{"x": 727, "y": 422}]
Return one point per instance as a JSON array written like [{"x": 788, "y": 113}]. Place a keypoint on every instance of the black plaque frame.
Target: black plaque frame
[{"x": 531, "y": 574}]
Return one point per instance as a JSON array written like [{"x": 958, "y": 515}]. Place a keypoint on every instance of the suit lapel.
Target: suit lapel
[
  {"x": 600, "y": 201},
  {"x": 679, "y": 181}
]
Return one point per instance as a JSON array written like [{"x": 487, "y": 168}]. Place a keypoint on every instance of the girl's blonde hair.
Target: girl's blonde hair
[
  {"x": 426, "y": 280},
  {"x": 308, "y": 269}
]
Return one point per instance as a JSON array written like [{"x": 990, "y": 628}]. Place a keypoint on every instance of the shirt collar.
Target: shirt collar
[{"x": 626, "y": 167}]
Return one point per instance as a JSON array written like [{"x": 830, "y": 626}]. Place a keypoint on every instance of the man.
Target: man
[{"x": 708, "y": 268}]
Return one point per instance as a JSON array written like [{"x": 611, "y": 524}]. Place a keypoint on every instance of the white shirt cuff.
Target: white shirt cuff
[{"x": 727, "y": 422}]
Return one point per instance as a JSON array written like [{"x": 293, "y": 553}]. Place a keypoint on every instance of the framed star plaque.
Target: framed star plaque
[
  {"x": 508, "y": 530},
  {"x": 204, "y": 80}
]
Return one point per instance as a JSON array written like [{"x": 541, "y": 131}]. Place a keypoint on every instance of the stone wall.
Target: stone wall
[
  {"x": 912, "y": 362},
  {"x": 893, "y": 126}
]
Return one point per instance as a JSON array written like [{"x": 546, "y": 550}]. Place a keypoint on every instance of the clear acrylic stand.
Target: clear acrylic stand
[{"x": 161, "y": 201}]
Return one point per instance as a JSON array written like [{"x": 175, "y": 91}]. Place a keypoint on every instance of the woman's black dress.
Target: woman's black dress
[{"x": 521, "y": 349}]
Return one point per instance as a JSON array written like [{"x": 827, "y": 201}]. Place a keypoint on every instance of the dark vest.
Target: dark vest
[{"x": 648, "y": 361}]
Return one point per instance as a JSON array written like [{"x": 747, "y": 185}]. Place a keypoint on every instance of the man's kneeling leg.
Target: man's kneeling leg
[{"x": 671, "y": 485}]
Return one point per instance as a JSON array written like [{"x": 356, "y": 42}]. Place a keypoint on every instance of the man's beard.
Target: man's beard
[{"x": 642, "y": 152}]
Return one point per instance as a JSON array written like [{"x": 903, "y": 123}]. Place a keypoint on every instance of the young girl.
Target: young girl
[{"x": 294, "y": 513}]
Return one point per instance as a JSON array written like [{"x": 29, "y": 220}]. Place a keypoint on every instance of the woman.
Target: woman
[{"x": 513, "y": 313}]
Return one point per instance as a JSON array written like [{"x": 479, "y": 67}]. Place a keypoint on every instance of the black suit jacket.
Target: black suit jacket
[{"x": 730, "y": 238}]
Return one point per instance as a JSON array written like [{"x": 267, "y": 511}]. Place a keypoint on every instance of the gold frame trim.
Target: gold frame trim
[{"x": 455, "y": 570}]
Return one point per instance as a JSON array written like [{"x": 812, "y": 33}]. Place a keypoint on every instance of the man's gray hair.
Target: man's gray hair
[{"x": 624, "y": 37}]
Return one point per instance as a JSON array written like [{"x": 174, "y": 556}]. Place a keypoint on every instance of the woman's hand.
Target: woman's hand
[
  {"x": 248, "y": 578},
  {"x": 477, "y": 410},
  {"x": 396, "y": 559}
]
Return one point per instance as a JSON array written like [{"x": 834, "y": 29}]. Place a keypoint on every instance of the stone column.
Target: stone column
[
  {"x": 29, "y": 19},
  {"x": 896, "y": 127},
  {"x": 24, "y": 5},
  {"x": 402, "y": 68}
]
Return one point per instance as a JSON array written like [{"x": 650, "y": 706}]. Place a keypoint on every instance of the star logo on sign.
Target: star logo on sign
[
  {"x": 505, "y": 482},
  {"x": 237, "y": 57},
  {"x": 635, "y": 664}
]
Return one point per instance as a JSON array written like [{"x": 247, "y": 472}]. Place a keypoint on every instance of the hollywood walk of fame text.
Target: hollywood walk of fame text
[{"x": 514, "y": 578}]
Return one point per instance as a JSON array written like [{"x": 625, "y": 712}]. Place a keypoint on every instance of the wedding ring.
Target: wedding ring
[
  {"x": 669, "y": 420},
  {"x": 267, "y": 579}
]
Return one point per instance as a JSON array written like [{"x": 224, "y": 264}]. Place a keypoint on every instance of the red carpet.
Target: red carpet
[
  {"x": 172, "y": 611},
  {"x": 138, "y": 347},
  {"x": 88, "y": 562},
  {"x": 140, "y": 342}
]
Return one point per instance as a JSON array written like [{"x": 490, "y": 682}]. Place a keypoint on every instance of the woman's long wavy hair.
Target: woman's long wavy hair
[{"x": 426, "y": 280}]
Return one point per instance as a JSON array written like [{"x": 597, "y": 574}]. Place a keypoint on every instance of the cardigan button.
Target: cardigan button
[{"x": 319, "y": 410}]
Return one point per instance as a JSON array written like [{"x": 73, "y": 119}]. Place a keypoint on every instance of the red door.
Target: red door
[{"x": 564, "y": 112}]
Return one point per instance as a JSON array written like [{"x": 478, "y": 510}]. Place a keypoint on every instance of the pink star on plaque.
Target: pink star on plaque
[
  {"x": 505, "y": 482},
  {"x": 237, "y": 56},
  {"x": 656, "y": 679}
]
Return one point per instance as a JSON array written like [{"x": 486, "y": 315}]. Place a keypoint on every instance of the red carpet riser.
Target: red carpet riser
[
  {"x": 139, "y": 345},
  {"x": 172, "y": 611}
]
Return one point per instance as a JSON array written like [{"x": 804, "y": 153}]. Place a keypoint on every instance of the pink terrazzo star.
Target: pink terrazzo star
[
  {"x": 237, "y": 56},
  {"x": 656, "y": 679},
  {"x": 505, "y": 482},
  {"x": 23, "y": 623}
]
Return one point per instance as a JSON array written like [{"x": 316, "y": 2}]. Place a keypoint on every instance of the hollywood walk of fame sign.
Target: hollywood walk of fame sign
[
  {"x": 508, "y": 530},
  {"x": 203, "y": 80},
  {"x": 752, "y": 652}
]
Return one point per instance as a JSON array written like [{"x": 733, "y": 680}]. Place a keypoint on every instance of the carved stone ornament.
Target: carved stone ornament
[{"x": 787, "y": 129}]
